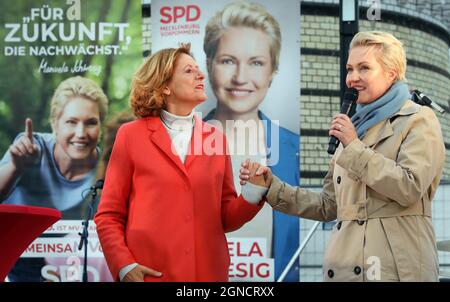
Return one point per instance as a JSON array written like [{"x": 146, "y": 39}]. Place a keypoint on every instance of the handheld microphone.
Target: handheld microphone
[
  {"x": 422, "y": 99},
  {"x": 350, "y": 96},
  {"x": 98, "y": 185}
]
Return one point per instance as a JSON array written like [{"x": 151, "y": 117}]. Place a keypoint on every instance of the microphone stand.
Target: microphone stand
[
  {"x": 298, "y": 251},
  {"x": 84, "y": 235}
]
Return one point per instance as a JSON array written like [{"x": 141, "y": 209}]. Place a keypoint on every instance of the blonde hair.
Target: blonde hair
[
  {"x": 392, "y": 54},
  {"x": 147, "y": 98},
  {"x": 243, "y": 14},
  {"x": 77, "y": 87}
]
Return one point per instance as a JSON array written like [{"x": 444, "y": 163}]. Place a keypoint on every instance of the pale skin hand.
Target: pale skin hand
[
  {"x": 138, "y": 273},
  {"x": 24, "y": 151},
  {"x": 343, "y": 129},
  {"x": 255, "y": 174}
]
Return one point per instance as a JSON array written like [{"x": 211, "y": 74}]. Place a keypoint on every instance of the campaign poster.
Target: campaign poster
[
  {"x": 66, "y": 68},
  {"x": 250, "y": 54}
]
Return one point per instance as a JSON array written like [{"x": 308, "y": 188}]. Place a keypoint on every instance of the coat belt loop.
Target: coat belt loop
[{"x": 362, "y": 208}]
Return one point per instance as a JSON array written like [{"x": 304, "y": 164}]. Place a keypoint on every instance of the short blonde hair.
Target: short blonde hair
[
  {"x": 77, "y": 87},
  {"x": 243, "y": 14},
  {"x": 392, "y": 54},
  {"x": 147, "y": 98}
]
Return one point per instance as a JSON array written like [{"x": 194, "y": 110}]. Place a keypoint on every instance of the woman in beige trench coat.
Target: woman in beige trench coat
[{"x": 382, "y": 178}]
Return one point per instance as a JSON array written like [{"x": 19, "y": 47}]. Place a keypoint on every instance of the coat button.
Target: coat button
[
  {"x": 357, "y": 270},
  {"x": 338, "y": 179},
  {"x": 330, "y": 273},
  {"x": 360, "y": 222},
  {"x": 339, "y": 225},
  {"x": 187, "y": 218}
]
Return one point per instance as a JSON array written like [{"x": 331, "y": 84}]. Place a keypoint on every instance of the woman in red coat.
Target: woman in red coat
[{"x": 168, "y": 197}]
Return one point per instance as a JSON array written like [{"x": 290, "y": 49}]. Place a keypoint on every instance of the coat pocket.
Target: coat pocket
[{"x": 403, "y": 241}]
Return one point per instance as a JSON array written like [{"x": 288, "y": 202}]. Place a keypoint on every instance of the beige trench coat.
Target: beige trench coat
[{"x": 380, "y": 191}]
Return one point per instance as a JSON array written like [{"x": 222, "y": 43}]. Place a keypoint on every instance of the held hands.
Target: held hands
[
  {"x": 342, "y": 128},
  {"x": 138, "y": 273},
  {"x": 24, "y": 152},
  {"x": 255, "y": 174}
]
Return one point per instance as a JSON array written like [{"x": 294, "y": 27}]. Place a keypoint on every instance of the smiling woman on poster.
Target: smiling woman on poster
[
  {"x": 53, "y": 169},
  {"x": 242, "y": 46}
]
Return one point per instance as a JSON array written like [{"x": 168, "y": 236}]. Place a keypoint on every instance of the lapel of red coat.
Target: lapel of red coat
[
  {"x": 161, "y": 139},
  {"x": 196, "y": 147}
]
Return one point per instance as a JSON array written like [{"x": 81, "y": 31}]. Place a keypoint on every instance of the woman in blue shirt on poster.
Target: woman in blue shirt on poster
[
  {"x": 53, "y": 169},
  {"x": 242, "y": 46}
]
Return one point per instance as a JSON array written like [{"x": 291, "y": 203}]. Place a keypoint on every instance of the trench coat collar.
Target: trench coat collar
[
  {"x": 383, "y": 129},
  {"x": 161, "y": 139}
]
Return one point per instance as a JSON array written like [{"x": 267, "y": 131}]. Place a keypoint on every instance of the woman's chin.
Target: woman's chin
[
  {"x": 363, "y": 101},
  {"x": 79, "y": 154},
  {"x": 244, "y": 109},
  {"x": 198, "y": 100}
]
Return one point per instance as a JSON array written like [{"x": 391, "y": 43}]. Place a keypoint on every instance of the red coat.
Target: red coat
[{"x": 166, "y": 215}]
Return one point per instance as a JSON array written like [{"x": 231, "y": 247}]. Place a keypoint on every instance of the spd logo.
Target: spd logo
[{"x": 189, "y": 13}]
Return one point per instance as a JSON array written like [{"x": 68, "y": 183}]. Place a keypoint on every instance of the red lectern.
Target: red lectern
[{"x": 20, "y": 225}]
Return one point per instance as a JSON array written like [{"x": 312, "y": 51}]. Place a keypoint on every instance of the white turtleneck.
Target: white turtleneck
[{"x": 180, "y": 130}]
